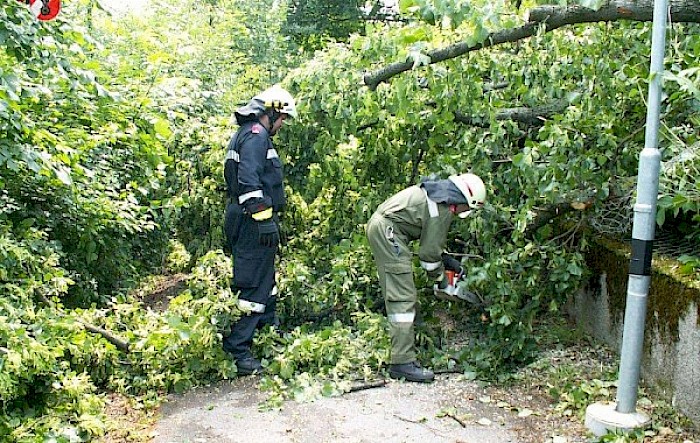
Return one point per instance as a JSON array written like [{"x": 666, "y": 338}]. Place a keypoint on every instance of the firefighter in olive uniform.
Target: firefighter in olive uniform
[
  {"x": 422, "y": 212},
  {"x": 253, "y": 173}
]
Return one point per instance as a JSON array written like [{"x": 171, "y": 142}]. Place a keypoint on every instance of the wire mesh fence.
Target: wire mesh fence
[{"x": 679, "y": 176}]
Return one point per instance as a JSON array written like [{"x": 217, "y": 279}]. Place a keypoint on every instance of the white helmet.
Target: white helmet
[
  {"x": 275, "y": 97},
  {"x": 473, "y": 189},
  {"x": 278, "y": 99}
]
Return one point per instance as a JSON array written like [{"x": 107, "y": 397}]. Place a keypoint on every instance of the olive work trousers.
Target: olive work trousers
[{"x": 394, "y": 265}]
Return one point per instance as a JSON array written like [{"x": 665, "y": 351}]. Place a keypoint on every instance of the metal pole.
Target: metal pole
[{"x": 644, "y": 224}]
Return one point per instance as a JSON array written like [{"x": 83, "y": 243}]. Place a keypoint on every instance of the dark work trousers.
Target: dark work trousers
[{"x": 254, "y": 281}]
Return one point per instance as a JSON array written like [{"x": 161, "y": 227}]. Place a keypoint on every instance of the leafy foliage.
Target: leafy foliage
[
  {"x": 306, "y": 364},
  {"x": 579, "y": 158},
  {"x": 112, "y": 133},
  {"x": 85, "y": 182},
  {"x": 181, "y": 347},
  {"x": 308, "y": 19}
]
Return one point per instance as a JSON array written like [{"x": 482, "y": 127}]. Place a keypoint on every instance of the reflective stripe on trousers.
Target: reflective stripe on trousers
[
  {"x": 407, "y": 317},
  {"x": 251, "y": 306}
]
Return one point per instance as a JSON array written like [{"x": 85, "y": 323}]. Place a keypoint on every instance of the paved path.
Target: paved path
[{"x": 397, "y": 412}]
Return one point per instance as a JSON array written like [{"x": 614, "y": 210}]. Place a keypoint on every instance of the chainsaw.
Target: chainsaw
[{"x": 455, "y": 290}]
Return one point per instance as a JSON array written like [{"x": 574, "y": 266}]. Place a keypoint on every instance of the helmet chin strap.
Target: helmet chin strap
[{"x": 273, "y": 115}]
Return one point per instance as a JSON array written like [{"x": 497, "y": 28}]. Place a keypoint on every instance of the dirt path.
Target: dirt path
[{"x": 449, "y": 410}]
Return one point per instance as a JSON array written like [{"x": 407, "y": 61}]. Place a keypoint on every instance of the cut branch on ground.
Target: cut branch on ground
[
  {"x": 550, "y": 18},
  {"x": 457, "y": 419},
  {"x": 368, "y": 385},
  {"x": 120, "y": 343}
]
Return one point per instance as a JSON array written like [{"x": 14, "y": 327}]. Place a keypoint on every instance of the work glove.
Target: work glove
[
  {"x": 452, "y": 264},
  {"x": 268, "y": 233}
]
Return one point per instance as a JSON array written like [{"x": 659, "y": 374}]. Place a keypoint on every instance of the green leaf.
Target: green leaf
[
  {"x": 660, "y": 216},
  {"x": 592, "y": 4},
  {"x": 63, "y": 174},
  {"x": 407, "y": 6},
  {"x": 504, "y": 320},
  {"x": 419, "y": 59},
  {"x": 162, "y": 128}
]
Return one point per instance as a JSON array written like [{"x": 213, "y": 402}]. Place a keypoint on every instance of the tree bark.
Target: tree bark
[
  {"x": 368, "y": 385},
  {"x": 687, "y": 11},
  {"x": 121, "y": 344},
  {"x": 551, "y": 18},
  {"x": 528, "y": 116}
]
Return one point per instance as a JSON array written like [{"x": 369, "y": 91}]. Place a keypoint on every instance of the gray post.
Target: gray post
[
  {"x": 643, "y": 225},
  {"x": 599, "y": 419}
]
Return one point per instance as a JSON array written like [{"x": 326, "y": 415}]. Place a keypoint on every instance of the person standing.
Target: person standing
[
  {"x": 254, "y": 182},
  {"x": 424, "y": 213}
]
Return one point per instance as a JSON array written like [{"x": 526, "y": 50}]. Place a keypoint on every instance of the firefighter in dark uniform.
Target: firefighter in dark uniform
[
  {"x": 424, "y": 213},
  {"x": 254, "y": 176}
]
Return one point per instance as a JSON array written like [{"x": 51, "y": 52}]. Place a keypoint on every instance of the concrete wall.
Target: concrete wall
[{"x": 672, "y": 366}]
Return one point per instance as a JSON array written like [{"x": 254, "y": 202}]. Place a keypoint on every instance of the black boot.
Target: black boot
[
  {"x": 411, "y": 372},
  {"x": 248, "y": 365}
]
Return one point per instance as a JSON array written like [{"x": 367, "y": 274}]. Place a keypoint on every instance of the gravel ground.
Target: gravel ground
[
  {"x": 446, "y": 411},
  {"x": 452, "y": 409}
]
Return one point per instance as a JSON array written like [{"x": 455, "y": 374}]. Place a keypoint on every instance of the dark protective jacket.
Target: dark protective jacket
[
  {"x": 253, "y": 170},
  {"x": 253, "y": 174}
]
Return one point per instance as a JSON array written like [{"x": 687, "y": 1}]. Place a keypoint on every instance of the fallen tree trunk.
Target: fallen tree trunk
[{"x": 551, "y": 18}]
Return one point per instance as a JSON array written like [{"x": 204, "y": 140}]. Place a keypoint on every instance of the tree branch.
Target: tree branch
[
  {"x": 687, "y": 11},
  {"x": 457, "y": 419},
  {"x": 528, "y": 116},
  {"x": 367, "y": 385},
  {"x": 551, "y": 17},
  {"x": 545, "y": 215},
  {"x": 121, "y": 344}
]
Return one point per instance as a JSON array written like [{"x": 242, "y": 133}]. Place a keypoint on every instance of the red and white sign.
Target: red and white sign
[{"x": 44, "y": 10}]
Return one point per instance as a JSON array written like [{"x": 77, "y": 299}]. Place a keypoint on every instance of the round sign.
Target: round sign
[{"x": 44, "y": 9}]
